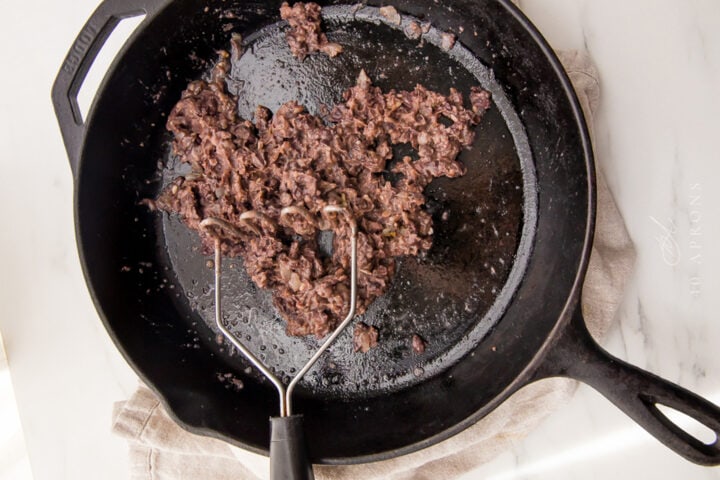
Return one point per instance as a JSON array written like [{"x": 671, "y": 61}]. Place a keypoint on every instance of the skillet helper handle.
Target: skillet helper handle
[
  {"x": 636, "y": 392},
  {"x": 78, "y": 61},
  {"x": 288, "y": 452}
]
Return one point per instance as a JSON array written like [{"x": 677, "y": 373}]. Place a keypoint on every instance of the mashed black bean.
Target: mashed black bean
[
  {"x": 305, "y": 35},
  {"x": 293, "y": 158}
]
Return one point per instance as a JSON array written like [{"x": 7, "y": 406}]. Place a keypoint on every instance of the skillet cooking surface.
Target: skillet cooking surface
[{"x": 453, "y": 295}]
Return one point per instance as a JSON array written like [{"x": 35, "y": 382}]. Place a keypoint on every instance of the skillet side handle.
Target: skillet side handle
[
  {"x": 78, "y": 61},
  {"x": 635, "y": 391},
  {"x": 288, "y": 453}
]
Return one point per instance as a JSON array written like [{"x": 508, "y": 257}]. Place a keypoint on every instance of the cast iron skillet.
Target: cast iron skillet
[{"x": 497, "y": 297}]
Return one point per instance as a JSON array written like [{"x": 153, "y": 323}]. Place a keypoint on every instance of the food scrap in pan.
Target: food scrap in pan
[
  {"x": 391, "y": 14},
  {"x": 447, "y": 41},
  {"x": 418, "y": 344},
  {"x": 236, "y": 47},
  {"x": 413, "y": 30},
  {"x": 365, "y": 337},
  {"x": 293, "y": 158},
  {"x": 305, "y": 35}
]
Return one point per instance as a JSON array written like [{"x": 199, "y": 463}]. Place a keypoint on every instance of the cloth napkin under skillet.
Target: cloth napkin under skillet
[{"x": 161, "y": 450}]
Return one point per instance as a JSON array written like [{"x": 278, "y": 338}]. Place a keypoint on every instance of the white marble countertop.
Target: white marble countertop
[{"x": 657, "y": 137}]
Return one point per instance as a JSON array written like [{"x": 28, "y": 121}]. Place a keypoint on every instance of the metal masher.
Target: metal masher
[{"x": 288, "y": 453}]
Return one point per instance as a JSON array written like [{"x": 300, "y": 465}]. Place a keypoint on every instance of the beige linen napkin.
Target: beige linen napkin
[{"x": 161, "y": 450}]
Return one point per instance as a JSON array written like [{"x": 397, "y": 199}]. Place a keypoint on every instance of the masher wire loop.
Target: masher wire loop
[{"x": 285, "y": 393}]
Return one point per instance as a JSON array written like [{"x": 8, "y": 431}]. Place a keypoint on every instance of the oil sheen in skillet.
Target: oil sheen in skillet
[{"x": 447, "y": 297}]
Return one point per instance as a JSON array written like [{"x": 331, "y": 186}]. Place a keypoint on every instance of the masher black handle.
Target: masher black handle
[
  {"x": 288, "y": 452},
  {"x": 636, "y": 392},
  {"x": 79, "y": 60}
]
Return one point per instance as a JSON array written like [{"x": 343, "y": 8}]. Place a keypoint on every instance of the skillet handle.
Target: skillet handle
[
  {"x": 288, "y": 453},
  {"x": 78, "y": 61},
  {"x": 635, "y": 391}
]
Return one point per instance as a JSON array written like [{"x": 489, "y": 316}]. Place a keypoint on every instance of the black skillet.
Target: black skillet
[{"x": 497, "y": 297}]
